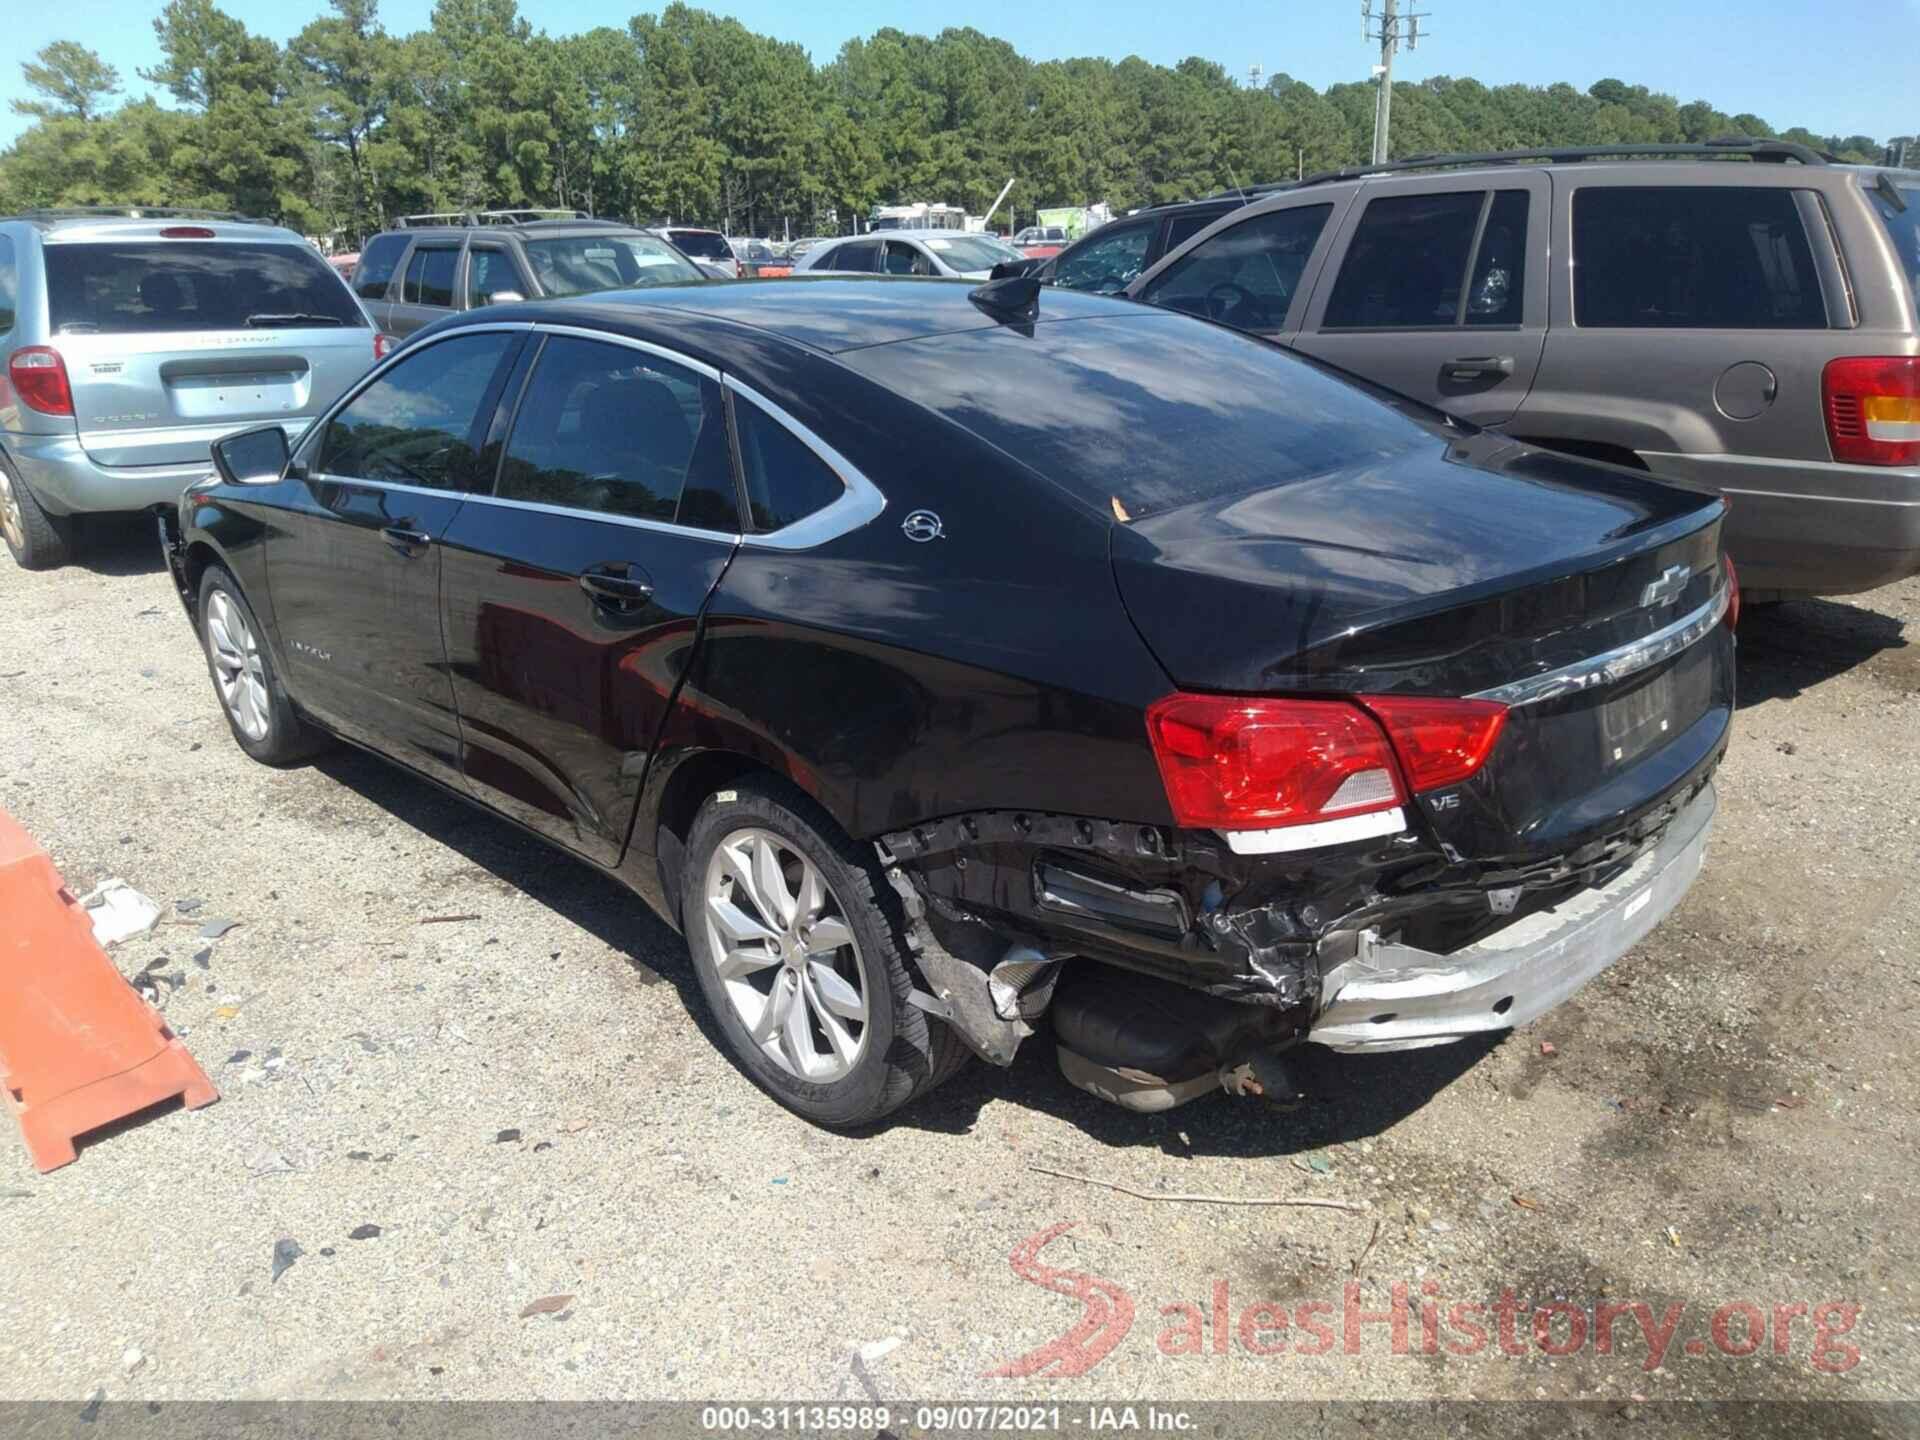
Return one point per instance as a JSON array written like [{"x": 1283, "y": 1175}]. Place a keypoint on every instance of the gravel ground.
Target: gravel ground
[{"x": 529, "y": 1104}]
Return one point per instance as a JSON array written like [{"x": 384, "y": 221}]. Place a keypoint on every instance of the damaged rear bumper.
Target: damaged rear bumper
[{"x": 1397, "y": 997}]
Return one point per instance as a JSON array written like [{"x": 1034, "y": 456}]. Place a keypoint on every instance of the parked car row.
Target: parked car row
[{"x": 1750, "y": 328}]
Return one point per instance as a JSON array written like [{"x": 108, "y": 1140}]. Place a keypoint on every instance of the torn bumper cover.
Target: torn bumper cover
[{"x": 1397, "y": 997}]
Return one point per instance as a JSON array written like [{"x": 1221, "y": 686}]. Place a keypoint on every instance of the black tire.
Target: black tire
[
  {"x": 286, "y": 739},
  {"x": 907, "y": 1052},
  {"x": 40, "y": 540}
]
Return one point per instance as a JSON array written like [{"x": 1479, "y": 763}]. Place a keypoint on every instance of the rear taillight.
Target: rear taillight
[
  {"x": 1249, "y": 763},
  {"x": 39, "y": 378},
  {"x": 1440, "y": 742},
  {"x": 1872, "y": 405},
  {"x": 383, "y": 345},
  {"x": 1733, "y": 592}
]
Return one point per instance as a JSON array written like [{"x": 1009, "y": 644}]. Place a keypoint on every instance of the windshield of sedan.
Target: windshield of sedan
[
  {"x": 579, "y": 264},
  {"x": 971, "y": 252}
]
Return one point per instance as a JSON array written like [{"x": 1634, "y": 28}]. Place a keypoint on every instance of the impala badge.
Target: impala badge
[
  {"x": 922, "y": 526},
  {"x": 1668, "y": 588}
]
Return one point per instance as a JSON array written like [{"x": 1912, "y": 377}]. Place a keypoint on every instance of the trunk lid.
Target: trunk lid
[{"x": 1487, "y": 569}]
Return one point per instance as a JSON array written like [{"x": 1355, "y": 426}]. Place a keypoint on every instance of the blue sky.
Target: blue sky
[{"x": 1836, "y": 66}]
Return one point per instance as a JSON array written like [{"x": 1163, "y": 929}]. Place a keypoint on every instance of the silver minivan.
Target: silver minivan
[{"x": 131, "y": 340}]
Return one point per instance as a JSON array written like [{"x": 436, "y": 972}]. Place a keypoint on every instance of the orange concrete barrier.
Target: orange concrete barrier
[{"x": 78, "y": 1048}]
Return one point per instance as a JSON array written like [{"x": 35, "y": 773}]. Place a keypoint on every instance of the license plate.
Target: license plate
[{"x": 1640, "y": 720}]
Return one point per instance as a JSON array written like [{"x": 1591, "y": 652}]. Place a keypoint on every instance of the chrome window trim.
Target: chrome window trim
[
  {"x": 861, "y": 503},
  {"x": 1616, "y": 664}
]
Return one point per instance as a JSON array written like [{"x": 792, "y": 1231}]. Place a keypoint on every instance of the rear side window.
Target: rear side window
[
  {"x": 706, "y": 244},
  {"x": 1903, "y": 228},
  {"x": 134, "y": 287},
  {"x": 1500, "y": 267},
  {"x": 9, "y": 285},
  {"x": 1407, "y": 262},
  {"x": 614, "y": 431},
  {"x": 430, "y": 277},
  {"x": 1720, "y": 258},
  {"x": 415, "y": 424},
  {"x": 1246, "y": 276},
  {"x": 861, "y": 255},
  {"x": 375, "y": 270},
  {"x": 786, "y": 481}
]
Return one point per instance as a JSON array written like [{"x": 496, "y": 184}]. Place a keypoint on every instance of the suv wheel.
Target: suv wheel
[
  {"x": 35, "y": 539},
  {"x": 801, "y": 962},
  {"x": 258, "y": 711}
]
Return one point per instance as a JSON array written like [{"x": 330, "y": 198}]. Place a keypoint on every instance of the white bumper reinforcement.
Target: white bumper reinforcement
[{"x": 1395, "y": 997}]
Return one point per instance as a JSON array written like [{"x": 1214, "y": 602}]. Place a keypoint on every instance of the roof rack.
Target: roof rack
[
  {"x": 1732, "y": 147},
  {"x": 487, "y": 217},
  {"x": 134, "y": 212}
]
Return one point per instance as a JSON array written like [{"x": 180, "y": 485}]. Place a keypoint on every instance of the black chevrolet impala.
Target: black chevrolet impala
[{"x": 946, "y": 663}]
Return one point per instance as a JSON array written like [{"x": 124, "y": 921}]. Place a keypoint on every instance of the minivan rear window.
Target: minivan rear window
[
  {"x": 146, "y": 286},
  {"x": 1903, "y": 228},
  {"x": 706, "y": 244},
  {"x": 1723, "y": 257}
]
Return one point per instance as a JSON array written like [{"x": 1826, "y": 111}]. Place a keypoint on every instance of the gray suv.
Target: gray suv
[
  {"x": 439, "y": 265},
  {"x": 130, "y": 341},
  {"x": 1739, "y": 315}
]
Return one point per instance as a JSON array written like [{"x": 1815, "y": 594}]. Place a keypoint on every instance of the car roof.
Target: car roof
[
  {"x": 826, "y": 313},
  {"x": 64, "y": 226},
  {"x": 528, "y": 230}
]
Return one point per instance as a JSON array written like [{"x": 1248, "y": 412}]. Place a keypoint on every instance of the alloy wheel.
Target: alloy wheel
[
  {"x": 238, "y": 672},
  {"x": 787, "y": 959},
  {"x": 12, "y": 525}
]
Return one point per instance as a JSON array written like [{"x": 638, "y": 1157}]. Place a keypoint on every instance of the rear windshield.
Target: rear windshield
[
  {"x": 1903, "y": 227},
  {"x": 580, "y": 263},
  {"x": 176, "y": 285},
  {"x": 1153, "y": 411},
  {"x": 707, "y": 244}
]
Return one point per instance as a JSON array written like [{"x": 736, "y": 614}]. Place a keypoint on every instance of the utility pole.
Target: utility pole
[{"x": 1389, "y": 27}]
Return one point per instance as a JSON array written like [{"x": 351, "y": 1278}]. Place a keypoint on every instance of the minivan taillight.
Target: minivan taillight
[
  {"x": 39, "y": 378},
  {"x": 1872, "y": 405}
]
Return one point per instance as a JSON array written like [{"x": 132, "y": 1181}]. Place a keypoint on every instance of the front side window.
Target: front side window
[
  {"x": 144, "y": 286},
  {"x": 1726, "y": 257},
  {"x": 903, "y": 259},
  {"x": 415, "y": 425},
  {"x": 378, "y": 261},
  {"x": 1405, "y": 266},
  {"x": 581, "y": 264},
  {"x": 786, "y": 481},
  {"x": 614, "y": 431},
  {"x": 430, "y": 277},
  {"x": 1106, "y": 263},
  {"x": 1245, "y": 276},
  {"x": 490, "y": 273}
]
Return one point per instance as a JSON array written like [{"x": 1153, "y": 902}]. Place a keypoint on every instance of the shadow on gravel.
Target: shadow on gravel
[
  {"x": 1348, "y": 1097},
  {"x": 118, "y": 545},
  {"x": 1786, "y": 649},
  {"x": 595, "y": 902}
]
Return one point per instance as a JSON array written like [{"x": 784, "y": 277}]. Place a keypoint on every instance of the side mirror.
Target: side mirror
[
  {"x": 505, "y": 297},
  {"x": 253, "y": 457}
]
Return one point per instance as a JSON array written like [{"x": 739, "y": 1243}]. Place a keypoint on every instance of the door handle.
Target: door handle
[
  {"x": 1468, "y": 367},
  {"x": 405, "y": 539},
  {"x": 617, "y": 588}
]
